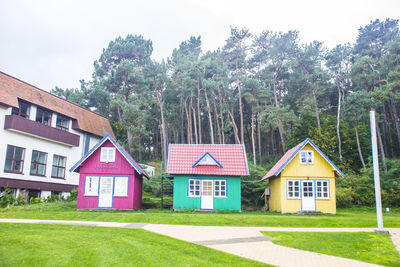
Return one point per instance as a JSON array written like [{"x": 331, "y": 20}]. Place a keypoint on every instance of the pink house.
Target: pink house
[{"x": 109, "y": 178}]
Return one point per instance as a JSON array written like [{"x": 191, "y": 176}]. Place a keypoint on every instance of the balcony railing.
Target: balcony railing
[{"x": 21, "y": 124}]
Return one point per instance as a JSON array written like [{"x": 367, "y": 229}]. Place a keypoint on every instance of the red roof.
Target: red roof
[
  {"x": 281, "y": 162},
  {"x": 232, "y": 158}
]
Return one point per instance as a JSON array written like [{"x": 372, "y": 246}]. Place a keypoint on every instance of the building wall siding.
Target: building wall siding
[{"x": 181, "y": 200}]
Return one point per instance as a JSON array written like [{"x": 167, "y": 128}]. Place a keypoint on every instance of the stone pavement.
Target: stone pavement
[{"x": 247, "y": 242}]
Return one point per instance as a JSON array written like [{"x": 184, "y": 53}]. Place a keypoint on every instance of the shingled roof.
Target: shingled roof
[
  {"x": 13, "y": 89},
  {"x": 227, "y": 160},
  {"x": 291, "y": 153}
]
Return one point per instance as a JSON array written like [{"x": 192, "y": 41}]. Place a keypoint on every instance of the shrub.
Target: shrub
[{"x": 73, "y": 195}]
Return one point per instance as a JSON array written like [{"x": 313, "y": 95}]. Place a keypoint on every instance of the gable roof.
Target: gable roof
[
  {"x": 126, "y": 155},
  {"x": 207, "y": 160},
  {"x": 13, "y": 89},
  {"x": 291, "y": 153},
  {"x": 183, "y": 159}
]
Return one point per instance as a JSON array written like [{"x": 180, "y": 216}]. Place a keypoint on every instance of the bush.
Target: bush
[
  {"x": 7, "y": 198},
  {"x": 73, "y": 195}
]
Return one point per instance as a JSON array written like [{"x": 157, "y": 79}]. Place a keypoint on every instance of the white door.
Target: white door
[
  {"x": 105, "y": 192},
  {"x": 207, "y": 195},
  {"x": 307, "y": 196}
]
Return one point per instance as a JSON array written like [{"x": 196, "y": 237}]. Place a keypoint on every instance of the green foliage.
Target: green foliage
[
  {"x": 73, "y": 195},
  {"x": 252, "y": 188}
]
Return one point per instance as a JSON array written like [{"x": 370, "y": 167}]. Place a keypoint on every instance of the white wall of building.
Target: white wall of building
[{"x": 73, "y": 154}]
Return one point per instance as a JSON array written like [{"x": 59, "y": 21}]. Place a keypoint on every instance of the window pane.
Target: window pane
[
  {"x": 10, "y": 152},
  {"x": 39, "y": 115},
  {"x": 17, "y": 166},
  {"x": 19, "y": 153},
  {"x": 42, "y": 157},
  {"x": 8, "y": 166},
  {"x": 61, "y": 172},
  {"x": 41, "y": 169},
  {"x": 54, "y": 171}
]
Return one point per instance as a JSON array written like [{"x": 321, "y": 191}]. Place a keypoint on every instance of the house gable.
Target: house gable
[{"x": 207, "y": 160}]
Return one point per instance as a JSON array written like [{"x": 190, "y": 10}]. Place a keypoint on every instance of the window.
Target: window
[
  {"x": 107, "y": 154},
  {"x": 323, "y": 189},
  {"x": 38, "y": 163},
  {"x": 62, "y": 122},
  {"x": 43, "y": 116},
  {"x": 293, "y": 189},
  {"x": 58, "y": 169},
  {"x": 220, "y": 188},
  {"x": 22, "y": 110},
  {"x": 121, "y": 186},
  {"x": 308, "y": 189},
  {"x": 91, "y": 186},
  {"x": 194, "y": 188},
  {"x": 14, "y": 159},
  {"x": 306, "y": 157}
]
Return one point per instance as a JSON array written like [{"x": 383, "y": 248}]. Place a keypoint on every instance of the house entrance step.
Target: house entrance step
[
  {"x": 205, "y": 211},
  {"x": 309, "y": 213}
]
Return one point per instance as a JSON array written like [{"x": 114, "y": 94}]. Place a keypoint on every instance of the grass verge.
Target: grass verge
[
  {"x": 363, "y": 246},
  {"x": 62, "y": 245},
  {"x": 356, "y": 217}
]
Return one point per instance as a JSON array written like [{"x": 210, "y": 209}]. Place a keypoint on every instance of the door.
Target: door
[
  {"x": 307, "y": 196},
  {"x": 105, "y": 192},
  {"x": 207, "y": 196}
]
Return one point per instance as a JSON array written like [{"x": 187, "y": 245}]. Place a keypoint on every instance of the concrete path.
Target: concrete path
[{"x": 247, "y": 242}]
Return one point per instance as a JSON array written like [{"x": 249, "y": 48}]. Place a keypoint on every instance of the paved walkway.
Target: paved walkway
[{"x": 247, "y": 242}]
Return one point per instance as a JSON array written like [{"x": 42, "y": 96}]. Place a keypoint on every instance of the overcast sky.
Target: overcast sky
[{"x": 49, "y": 43}]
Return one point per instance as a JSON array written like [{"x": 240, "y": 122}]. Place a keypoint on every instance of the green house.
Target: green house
[{"x": 207, "y": 177}]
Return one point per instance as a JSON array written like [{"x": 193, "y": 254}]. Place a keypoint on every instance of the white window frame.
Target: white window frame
[
  {"x": 293, "y": 182},
  {"x": 219, "y": 189},
  {"x": 91, "y": 186},
  {"x": 107, "y": 154},
  {"x": 192, "y": 193},
  {"x": 308, "y": 154},
  {"x": 322, "y": 186},
  {"x": 121, "y": 185}
]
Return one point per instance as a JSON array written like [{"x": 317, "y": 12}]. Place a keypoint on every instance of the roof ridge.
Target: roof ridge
[{"x": 51, "y": 94}]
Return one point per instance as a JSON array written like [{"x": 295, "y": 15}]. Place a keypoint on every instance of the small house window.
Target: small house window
[
  {"x": 194, "y": 188},
  {"x": 220, "y": 188},
  {"x": 306, "y": 157},
  {"x": 58, "y": 170},
  {"x": 323, "y": 189},
  {"x": 38, "y": 163},
  {"x": 293, "y": 189},
  {"x": 43, "y": 116},
  {"x": 62, "y": 122},
  {"x": 91, "y": 186},
  {"x": 14, "y": 159},
  {"x": 121, "y": 187},
  {"x": 107, "y": 154},
  {"x": 22, "y": 110}
]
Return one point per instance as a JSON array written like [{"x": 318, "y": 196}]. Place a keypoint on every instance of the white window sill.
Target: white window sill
[{"x": 120, "y": 196}]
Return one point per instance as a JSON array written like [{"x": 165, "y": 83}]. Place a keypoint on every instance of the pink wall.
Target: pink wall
[{"x": 121, "y": 167}]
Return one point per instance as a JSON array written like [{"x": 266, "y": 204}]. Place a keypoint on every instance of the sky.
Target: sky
[{"x": 51, "y": 43}]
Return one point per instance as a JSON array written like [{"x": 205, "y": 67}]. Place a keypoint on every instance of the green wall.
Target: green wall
[{"x": 182, "y": 201}]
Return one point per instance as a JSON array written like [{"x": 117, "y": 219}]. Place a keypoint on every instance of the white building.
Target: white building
[{"x": 41, "y": 137}]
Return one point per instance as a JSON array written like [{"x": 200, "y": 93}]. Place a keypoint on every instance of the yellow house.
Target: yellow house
[{"x": 303, "y": 180}]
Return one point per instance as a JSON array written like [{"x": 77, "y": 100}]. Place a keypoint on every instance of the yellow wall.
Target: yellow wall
[
  {"x": 320, "y": 169},
  {"x": 275, "y": 198}
]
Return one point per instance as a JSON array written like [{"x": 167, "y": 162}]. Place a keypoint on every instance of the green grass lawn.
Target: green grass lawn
[
  {"x": 62, "y": 245},
  {"x": 356, "y": 217},
  {"x": 368, "y": 247}
]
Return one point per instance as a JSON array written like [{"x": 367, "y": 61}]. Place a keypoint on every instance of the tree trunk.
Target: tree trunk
[
  {"x": 198, "y": 108},
  {"x": 209, "y": 117},
  {"x": 395, "y": 118},
  {"x": 235, "y": 129},
  {"x": 378, "y": 132},
  {"x": 189, "y": 125},
  {"x": 359, "y": 146},
  {"x": 163, "y": 126},
  {"x": 241, "y": 113},
  {"x": 259, "y": 140},
  {"x": 253, "y": 144},
  {"x": 216, "y": 117},
  {"x": 194, "y": 120},
  {"x": 338, "y": 121},
  {"x": 222, "y": 118},
  {"x": 317, "y": 111},
  {"x": 280, "y": 128}
]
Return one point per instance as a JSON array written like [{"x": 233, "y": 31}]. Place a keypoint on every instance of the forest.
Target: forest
[{"x": 267, "y": 91}]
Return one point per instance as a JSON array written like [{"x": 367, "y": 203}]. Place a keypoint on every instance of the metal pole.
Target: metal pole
[{"x": 376, "y": 174}]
